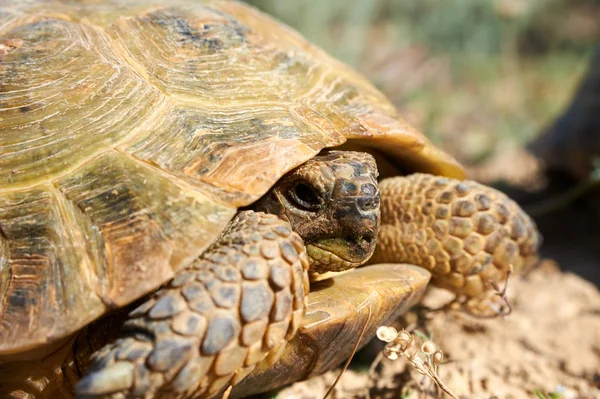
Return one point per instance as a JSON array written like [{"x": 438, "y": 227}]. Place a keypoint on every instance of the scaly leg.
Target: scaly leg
[
  {"x": 467, "y": 235},
  {"x": 208, "y": 327}
]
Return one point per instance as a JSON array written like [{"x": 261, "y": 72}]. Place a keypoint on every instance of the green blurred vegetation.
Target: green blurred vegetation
[{"x": 477, "y": 76}]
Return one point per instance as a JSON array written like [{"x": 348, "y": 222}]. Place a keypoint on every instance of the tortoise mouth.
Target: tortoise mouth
[{"x": 338, "y": 254}]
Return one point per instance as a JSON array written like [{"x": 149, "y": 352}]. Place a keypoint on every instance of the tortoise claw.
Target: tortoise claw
[{"x": 115, "y": 378}]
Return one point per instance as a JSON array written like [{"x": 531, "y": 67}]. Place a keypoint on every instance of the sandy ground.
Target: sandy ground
[{"x": 549, "y": 344}]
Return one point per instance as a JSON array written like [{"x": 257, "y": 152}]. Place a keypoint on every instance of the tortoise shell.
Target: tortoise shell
[{"x": 130, "y": 133}]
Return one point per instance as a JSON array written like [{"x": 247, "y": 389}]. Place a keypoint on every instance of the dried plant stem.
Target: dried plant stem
[
  {"x": 354, "y": 349},
  {"x": 426, "y": 361}
]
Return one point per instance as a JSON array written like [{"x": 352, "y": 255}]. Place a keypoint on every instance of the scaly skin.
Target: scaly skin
[
  {"x": 466, "y": 234},
  {"x": 358, "y": 303},
  {"x": 241, "y": 301},
  {"x": 237, "y": 306},
  {"x": 340, "y": 231}
]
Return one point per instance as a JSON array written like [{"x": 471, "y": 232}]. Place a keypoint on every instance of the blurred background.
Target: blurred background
[
  {"x": 483, "y": 79},
  {"x": 479, "y": 77}
]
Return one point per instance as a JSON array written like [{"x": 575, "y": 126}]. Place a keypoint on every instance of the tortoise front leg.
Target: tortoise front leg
[
  {"x": 208, "y": 327},
  {"x": 467, "y": 235}
]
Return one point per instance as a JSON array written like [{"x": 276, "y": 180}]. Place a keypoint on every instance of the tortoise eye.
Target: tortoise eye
[{"x": 305, "y": 196}]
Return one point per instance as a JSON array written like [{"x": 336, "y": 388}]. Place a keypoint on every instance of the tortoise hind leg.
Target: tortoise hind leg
[{"x": 208, "y": 327}]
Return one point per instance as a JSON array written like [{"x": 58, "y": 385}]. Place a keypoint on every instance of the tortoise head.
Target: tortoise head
[{"x": 332, "y": 202}]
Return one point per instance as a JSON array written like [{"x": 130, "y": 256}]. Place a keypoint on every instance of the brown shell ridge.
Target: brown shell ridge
[
  {"x": 87, "y": 241},
  {"x": 7, "y": 21},
  {"x": 45, "y": 255},
  {"x": 60, "y": 118},
  {"x": 120, "y": 55},
  {"x": 180, "y": 148},
  {"x": 160, "y": 189},
  {"x": 108, "y": 233},
  {"x": 130, "y": 62},
  {"x": 5, "y": 271},
  {"x": 162, "y": 108},
  {"x": 203, "y": 189}
]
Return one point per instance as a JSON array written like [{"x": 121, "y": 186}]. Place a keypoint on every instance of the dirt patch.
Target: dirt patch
[{"x": 549, "y": 344}]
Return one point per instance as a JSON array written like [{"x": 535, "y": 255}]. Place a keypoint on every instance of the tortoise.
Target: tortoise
[{"x": 172, "y": 173}]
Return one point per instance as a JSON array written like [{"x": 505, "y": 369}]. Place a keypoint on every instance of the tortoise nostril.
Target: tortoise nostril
[
  {"x": 368, "y": 203},
  {"x": 369, "y": 189}
]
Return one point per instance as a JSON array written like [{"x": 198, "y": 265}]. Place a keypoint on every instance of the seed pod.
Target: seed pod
[
  {"x": 404, "y": 340},
  {"x": 438, "y": 357},
  {"x": 390, "y": 354},
  {"x": 428, "y": 348},
  {"x": 386, "y": 334}
]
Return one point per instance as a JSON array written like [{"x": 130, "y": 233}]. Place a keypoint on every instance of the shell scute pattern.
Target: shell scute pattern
[
  {"x": 144, "y": 127},
  {"x": 210, "y": 37},
  {"x": 56, "y": 114}
]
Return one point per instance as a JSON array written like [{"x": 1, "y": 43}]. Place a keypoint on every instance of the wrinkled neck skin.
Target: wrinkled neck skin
[{"x": 332, "y": 202}]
